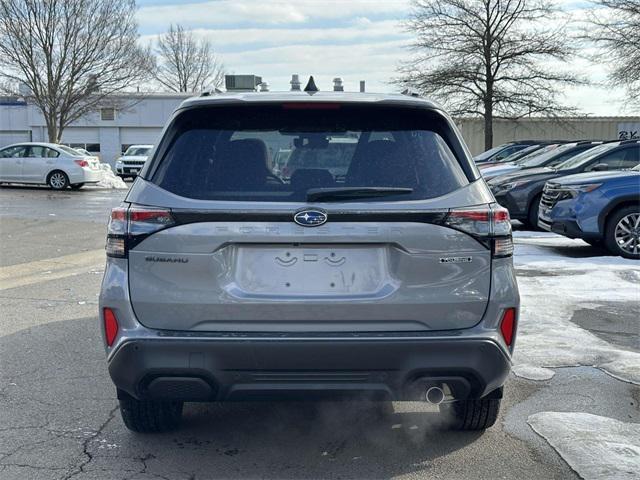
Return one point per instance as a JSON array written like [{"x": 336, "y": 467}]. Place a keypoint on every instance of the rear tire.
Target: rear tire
[
  {"x": 474, "y": 414},
  {"x": 622, "y": 226},
  {"x": 149, "y": 416},
  {"x": 58, "y": 180}
]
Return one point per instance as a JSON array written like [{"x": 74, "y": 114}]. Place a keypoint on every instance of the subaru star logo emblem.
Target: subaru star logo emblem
[{"x": 310, "y": 218}]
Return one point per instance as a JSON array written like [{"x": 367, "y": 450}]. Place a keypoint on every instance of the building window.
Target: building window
[
  {"x": 89, "y": 147},
  {"x": 107, "y": 114}
]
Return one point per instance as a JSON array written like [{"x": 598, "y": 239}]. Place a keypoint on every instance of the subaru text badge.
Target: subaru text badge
[{"x": 310, "y": 218}]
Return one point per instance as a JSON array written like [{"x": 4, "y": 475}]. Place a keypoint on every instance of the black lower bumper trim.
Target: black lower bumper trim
[{"x": 218, "y": 369}]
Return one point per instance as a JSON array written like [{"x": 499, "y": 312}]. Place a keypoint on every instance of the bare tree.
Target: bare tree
[
  {"x": 186, "y": 63},
  {"x": 70, "y": 54},
  {"x": 486, "y": 57},
  {"x": 617, "y": 33}
]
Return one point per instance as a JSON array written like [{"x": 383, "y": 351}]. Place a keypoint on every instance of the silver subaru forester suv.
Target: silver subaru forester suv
[{"x": 390, "y": 279}]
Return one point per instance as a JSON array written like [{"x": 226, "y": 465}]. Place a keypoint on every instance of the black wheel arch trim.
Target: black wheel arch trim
[{"x": 614, "y": 205}]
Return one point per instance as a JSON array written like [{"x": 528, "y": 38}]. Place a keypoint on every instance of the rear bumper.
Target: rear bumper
[
  {"x": 218, "y": 369},
  {"x": 85, "y": 175}
]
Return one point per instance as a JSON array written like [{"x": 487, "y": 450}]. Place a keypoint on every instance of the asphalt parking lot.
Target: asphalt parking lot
[{"x": 571, "y": 406}]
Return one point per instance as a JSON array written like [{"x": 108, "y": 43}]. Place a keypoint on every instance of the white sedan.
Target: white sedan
[{"x": 47, "y": 163}]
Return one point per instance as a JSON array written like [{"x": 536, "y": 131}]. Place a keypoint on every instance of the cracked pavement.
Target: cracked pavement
[{"x": 59, "y": 416}]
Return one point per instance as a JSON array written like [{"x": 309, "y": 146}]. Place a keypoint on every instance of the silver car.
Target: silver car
[
  {"x": 48, "y": 164},
  {"x": 227, "y": 282}
]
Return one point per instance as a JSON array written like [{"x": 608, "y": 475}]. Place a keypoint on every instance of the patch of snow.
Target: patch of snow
[
  {"x": 549, "y": 252},
  {"x": 532, "y": 373},
  {"x": 110, "y": 179},
  {"x": 546, "y": 336},
  {"x": 595, "y": 447}
]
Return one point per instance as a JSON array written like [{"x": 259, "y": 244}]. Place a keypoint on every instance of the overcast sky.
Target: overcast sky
[{"x": 353, "y": 39}]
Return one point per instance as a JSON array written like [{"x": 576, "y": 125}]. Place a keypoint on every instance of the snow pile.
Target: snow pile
[
  {"x": 595, "y": 447},
  {"x": 110, "y": 179},
  {"x": 546, "y": 336}
]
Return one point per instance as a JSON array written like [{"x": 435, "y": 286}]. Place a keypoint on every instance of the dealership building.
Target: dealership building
[
  {"x": 139, "y": 119},
  {"x": 107, "y": 132}
]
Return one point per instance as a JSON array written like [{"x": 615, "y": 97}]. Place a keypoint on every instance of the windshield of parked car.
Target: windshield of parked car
[
  {"x": 233, "y": 153},
  {"x": 586, "y": 157},
  {"x": 137, "y": 151},
  {"x": 542, "y": 156},
  {"x": 490, "y": 152}
]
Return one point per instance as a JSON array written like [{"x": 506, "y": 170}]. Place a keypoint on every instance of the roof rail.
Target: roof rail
[
  {"x": 208, "y": 93},
  {"x": 630, "y": 140},
  {"x": 411, "y": 92}
]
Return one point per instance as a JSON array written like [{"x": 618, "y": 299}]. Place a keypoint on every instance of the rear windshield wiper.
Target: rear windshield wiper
[{"x": 339, "y": 193}]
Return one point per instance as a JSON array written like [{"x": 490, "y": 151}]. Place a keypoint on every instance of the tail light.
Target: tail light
[
  {"x": 129, "y": 226},
  {"x": 508, "y": 325},
  {"x": 490, "y": 223},
  {"x": 110, "y": 326},
  {"x": 82, "y": 163}
]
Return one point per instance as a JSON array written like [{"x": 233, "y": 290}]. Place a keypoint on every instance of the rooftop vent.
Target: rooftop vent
[
  {"x": 295, "y": 83},
  {"x": 241, "y": 83},
  {"x": 337, "y": 85}
]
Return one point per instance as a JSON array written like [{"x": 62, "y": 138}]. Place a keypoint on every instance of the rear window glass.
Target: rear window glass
[{"x": 278, "y": 153}]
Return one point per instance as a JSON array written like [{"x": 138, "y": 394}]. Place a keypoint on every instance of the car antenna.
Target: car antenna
[{"x": 311, "y": 86}]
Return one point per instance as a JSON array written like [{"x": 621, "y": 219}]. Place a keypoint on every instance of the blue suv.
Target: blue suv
[{"x": 602, "y": 208}]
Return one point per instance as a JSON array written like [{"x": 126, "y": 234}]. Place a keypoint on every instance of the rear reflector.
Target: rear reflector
[
  {"x": 508, "y": 325},
  {"x": 110, "y": 326}
]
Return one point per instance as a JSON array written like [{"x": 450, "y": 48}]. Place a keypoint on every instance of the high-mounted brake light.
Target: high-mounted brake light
[
  {"x": 310, "y": 106},
  {"x": 129, "y": 226},
  {"x": 508, "y": 325},
  {"x": 110, "y": 326},
  {"x": 487, "y": 222}
]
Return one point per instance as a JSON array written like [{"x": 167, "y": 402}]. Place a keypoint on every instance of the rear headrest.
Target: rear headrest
[
  {"x": 251, "y": 152},
  {"x": 306, "y": 178},
  {"x": 370, "y": 159},
  {"x": 241, "y": 164}
]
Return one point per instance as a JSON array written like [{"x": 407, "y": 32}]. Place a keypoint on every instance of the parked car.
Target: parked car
[
  {"x": 520, "y": 192},
  {"x": 132, "y": 161},
  {"x": 549, "y": 156},
  {"x": 602, "y": 208},
  {"x": 503, "y": 151},
  {"x": 516, "y": 156},
  {"x": 225, "y": 282},
  {"x": 49, "y": 164}
]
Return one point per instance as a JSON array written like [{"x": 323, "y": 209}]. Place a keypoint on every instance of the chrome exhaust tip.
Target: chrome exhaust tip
[{"x": 435, "y": 395}]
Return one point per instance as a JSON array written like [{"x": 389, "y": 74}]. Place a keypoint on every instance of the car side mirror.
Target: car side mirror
[{"x": 601, "y": 167}]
